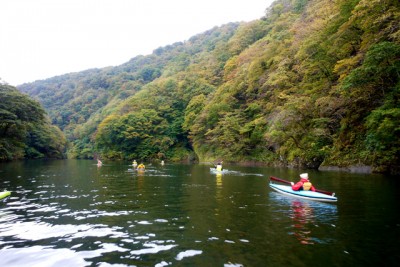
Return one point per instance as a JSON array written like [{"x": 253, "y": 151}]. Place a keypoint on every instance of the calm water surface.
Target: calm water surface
[{"x": 73, "y": 213}]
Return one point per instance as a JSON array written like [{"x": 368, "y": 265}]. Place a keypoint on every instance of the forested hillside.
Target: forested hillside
[
  {"x": 313, "y": 83},
  {"x": 25, "y": 132}
]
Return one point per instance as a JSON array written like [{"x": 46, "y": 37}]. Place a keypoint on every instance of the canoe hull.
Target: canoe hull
[
  {"x": 310, "y": 195},
  {"x": 4, "y": 194},
  {"x": 215, "y": 171}
]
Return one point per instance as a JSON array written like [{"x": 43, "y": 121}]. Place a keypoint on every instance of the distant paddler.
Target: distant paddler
[
  {"x": 162, "y": 163},
  {"x": 99, "y": 163},
  {"x": 134, "y": 163},
  {"x": 141, "y": 167},
  {"x": 218, "y": 167}
]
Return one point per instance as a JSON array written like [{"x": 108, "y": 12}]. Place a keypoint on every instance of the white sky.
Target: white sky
[{"x": 40, "y": 39}]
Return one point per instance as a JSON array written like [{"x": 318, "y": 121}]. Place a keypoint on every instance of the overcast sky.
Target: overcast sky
[{"x": 44, "y": 38}]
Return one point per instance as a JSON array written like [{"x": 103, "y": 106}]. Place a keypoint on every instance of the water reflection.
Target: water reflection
[
  {"x": 303, "y": 217},
  {"x": 218, "y": 193},
  {"x": 218, "y": 177},
  {"x": 140, "y": 172},
  {"x": 306, "y": 218}
]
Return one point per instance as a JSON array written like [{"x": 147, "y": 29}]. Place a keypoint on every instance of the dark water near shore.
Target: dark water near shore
[{"x": 72, "y": 213}]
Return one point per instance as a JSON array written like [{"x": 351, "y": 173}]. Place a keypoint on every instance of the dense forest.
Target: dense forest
[
  {"x": 25, "y": 131},
  {"x": 312, "y": 83}
]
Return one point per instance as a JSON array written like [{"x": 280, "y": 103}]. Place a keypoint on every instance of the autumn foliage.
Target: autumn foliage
[{"x": 312, "y": 83}]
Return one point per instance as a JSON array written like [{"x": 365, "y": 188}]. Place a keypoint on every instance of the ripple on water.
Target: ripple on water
[
  {"x": 161, "y": 220},
  {"x": 233, "y": 265},
  {"x": 144, "y": 222},
  {"x": 152, "y": 248},
  {"x": 40, "y": 256},
  {"x": 188, "y": 253},
  {"x": 35, "y": 231}
]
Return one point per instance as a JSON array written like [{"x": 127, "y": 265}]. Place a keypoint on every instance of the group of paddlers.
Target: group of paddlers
[{"x": 303, "y": 184}]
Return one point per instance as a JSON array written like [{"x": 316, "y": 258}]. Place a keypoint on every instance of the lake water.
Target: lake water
[{"x": 73, "y": 213}]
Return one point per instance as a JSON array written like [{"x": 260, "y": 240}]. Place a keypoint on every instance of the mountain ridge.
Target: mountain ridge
[{"x": 312, "y": 84}]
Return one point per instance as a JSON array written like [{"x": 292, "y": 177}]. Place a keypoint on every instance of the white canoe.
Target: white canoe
[
  {"x": 311, "y": 195},
  {"x": 215, "y": 171}
]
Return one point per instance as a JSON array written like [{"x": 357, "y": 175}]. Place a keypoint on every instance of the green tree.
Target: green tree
[{"x": 24, "y": 129}]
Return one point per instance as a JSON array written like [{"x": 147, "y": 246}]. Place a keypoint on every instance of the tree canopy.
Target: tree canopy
[{"x": 24, "y": 129}]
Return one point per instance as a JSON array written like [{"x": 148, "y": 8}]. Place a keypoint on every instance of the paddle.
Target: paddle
[
  {"x": 279, "y": 180},
  {"x": 214, "y": 164},
  {"x": 211, "y": 163},
  {"x": 287, "y": 182}
]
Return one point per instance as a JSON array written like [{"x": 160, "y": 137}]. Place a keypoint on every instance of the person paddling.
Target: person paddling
[
  {"x": 303, "y": 184},
  {"x": 218, "y": 167},
  {"x": 141, "y": 167},
  {"x": 99, "y": 163}
]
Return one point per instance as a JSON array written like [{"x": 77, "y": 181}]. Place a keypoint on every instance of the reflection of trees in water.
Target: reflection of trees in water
[{"x": 303, "y": 217}]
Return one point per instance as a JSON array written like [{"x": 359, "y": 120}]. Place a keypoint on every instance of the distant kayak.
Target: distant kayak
[
  {"x": 4, "y": 194},
  {"x": 311, "y": 195},
  {"x": 215, "y": 171}
]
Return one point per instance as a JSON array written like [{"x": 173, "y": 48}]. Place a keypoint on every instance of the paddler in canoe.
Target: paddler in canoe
[
  {"x": 302, "y": 189},
  {"x": 218, "y": 167},
  {"x": 141, "y": 167},
  {"x": 134, "y": 163},
  {"x": 303, "y": 184}
]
